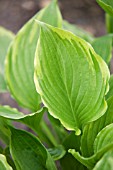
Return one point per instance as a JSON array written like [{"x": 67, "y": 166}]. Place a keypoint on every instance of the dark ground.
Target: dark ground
[{"x": 85, "y": 13}]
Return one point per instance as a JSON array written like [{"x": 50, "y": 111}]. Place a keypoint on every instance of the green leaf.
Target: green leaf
[
  {"x": 20, "y": 59},
  {"x": 110, "y": 93},
  {"x": 107, "y": 5},
  {"x": 90, "y": 162},
  {"x": 59, "y": 131},
  {"x": 104, "y": 138},
  {"x": 78, "y": 31},
  {"x": 92, "y": 129},
  {"x": 28, "y": 152},
  {"x": 45, "y": 133},
  {"x": 4, "y": 131},
  {"x": 3, "y": 163},
  {"x": 32, "y": 120},
  {"x": 106, "y": 163},
  {"x": 5, "y": 39},
  {"x": 103, "y": 47},
  {"x": 109, "y": 23},
  {"x": 68, "y": 162},
  {"x": 57, "y": 152},
  {"x": 64, "y": 74}
]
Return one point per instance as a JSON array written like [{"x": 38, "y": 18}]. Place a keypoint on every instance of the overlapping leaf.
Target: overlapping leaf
[
  {"x": 90, "y": 162},
  {"x": 3, "y": 163},
  {"x": 57, "y": 152},
  {"x": 78, "y": 31},
  {"x": 107, "y": 5},
  {"x": 70, "y": 77},
  {"x": 68, "y": 162},
  {"x": 5, "y": 39},
  {"x": 92, "y": 129},
  {"x": 104, "y": 138},
  {"x": 28, "y": 152},
  {"x": 106, "y": 162},
  {"x": 20, "y": 59},
  {"x": 103, "y": 47},
  {"x": 32, "y": 120},
  {"x": 102, "y": 144}
]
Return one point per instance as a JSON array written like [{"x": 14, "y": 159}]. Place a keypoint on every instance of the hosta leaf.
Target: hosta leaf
[
  {"x": 78, "y": 31},
  {"x": 4, "y": 131},
  {"x": 5, "y": 38},
  {"x": 92, "y": 129},
  {"x": 107, "y": 5},
  {"x": 57, "y": 152},
  {"x": 28, "y": 152},
  {"x": 106, "y": 162},
  {"x": 20, "y": 59},
  {"x": 32, "y": 120},
  {"x": 109, "y": 23},
  {"x": 64, "y": 74},
  {"x": 104, "y": 138},
  {"x": 103, "y": 47},
  {"x": 90, "y": 162},
  {"x": 68, "y": 161},
  {"x": 110, "y": 93},
  {"x": 3, "y": 163}
]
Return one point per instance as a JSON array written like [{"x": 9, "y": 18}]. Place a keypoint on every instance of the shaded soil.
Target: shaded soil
[{"x": 86, "y": 13}]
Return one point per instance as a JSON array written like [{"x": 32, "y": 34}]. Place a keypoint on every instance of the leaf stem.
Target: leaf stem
[{"x": 49, "y": 134}]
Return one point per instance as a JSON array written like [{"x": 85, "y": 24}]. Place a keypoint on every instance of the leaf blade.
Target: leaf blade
[
  {"x": 5, "y": 39},
  {"x": 20, "y": 58},
  {"x": 32, "y": 120},
  {"x": 27, "y": 151},
  {"x": 62, "y": 78},
  {"x": 92, "y": 129}
]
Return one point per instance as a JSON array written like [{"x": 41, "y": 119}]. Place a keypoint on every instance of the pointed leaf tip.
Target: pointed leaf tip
[{"x": 40, "y": 23}]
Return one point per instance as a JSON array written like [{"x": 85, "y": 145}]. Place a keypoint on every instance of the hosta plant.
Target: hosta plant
[{"x": 61, "y": 74}]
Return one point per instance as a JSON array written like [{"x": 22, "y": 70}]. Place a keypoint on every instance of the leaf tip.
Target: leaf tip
[
  {"x": 41, "y": 24},
  {"x": 77, "y": 131},
  {"x": 72, "y": 151}
]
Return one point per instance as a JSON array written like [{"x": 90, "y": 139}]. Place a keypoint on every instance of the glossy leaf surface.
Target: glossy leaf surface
[
  {"x": 28, "y": 153},
  {"x": 64, "y": 74},
  {"x": 5, "y": 39},
  {"x": 20, "y": 59}
]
